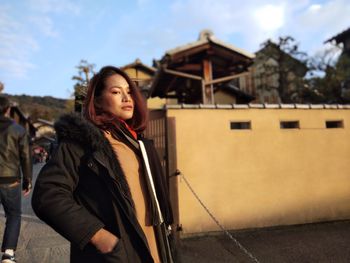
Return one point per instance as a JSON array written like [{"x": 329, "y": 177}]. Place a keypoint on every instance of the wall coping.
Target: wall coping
[{"x": 257, "y": 106}]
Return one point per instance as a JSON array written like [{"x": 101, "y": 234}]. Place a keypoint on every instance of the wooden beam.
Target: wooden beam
[
  {"x": 171, "y": 96},
  {"x": 182, "y": 74},
  {"x": 207, "y": 88},
  {"x": 188, "y": 52},
  {"x": 224, "y": 79},
  {"x": 190, "y": 67}
]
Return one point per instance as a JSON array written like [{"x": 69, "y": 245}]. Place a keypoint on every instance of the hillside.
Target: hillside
[{"x": 47, "y": 107}]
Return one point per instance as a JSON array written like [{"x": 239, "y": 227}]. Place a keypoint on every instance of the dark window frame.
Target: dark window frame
[
  {"x": 290, "y": 125},
  {"x": 334, "y": 124},
  {"x": 240, "y": 125}
]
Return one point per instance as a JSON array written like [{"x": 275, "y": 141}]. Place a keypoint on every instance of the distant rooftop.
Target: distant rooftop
[
  {"x": 207, "y": 36},
  {"x": 138, "y": 64},
  {"x": 340, "y": 37}
]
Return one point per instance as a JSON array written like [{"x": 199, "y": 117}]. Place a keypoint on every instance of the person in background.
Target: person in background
[
  {"x": 15, "y": 157},
  {"x": 99, "y": 190}
]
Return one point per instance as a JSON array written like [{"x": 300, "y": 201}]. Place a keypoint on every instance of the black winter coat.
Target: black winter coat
[{"x": 83, "y": 188}]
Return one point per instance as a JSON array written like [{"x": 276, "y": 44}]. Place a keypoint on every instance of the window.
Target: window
[
  {"x": 240, "y": 125},
  {"x": 289, "y": 125},
  {"x": 334, "y": 124}
]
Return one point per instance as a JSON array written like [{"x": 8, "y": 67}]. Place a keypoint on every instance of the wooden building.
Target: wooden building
[
  {"x": 19, "y": 117},
  {"x": 206, "y": 71},
  {"x": 342, "y": 38},
  {"x": 141, "y": 74},
  {"x": 276, "y": 75},
  {"x": 343, "y": 63},
  {"x": 45, "y": 134}
]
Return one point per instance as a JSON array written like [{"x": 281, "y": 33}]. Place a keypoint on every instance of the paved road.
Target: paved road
[
  {"x": 311, "y": 243},
  {"x": 27, "y": 210},
  {"x": 320, "y": 243},
  {"x": 37, "y": 243}
]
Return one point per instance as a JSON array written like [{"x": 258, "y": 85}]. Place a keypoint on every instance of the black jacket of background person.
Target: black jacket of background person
[
  {"x": 79, "y": 191},
  {"x": 15, "y": 153}
]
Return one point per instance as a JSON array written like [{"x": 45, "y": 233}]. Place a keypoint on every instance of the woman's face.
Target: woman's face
[{"x": 116, "y": 97}]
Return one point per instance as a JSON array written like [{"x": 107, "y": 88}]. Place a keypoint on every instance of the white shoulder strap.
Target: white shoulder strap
[{"x": 149, "y": 175}]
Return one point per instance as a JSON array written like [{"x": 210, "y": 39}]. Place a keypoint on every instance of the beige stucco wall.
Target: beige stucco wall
[
  {"x": 264, "y": 176},
  {"x": 133, "y": 73},
  {"x": 156, "y": 103},
  {"x": 222, "y": 97},
  {"x": 152, "y": 103}
]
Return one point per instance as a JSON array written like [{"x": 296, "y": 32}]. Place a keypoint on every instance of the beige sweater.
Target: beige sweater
[{"x": 132, "y": 169}]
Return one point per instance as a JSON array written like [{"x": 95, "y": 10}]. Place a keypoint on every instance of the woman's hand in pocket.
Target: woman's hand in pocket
[{"x": 104, "y": 241}]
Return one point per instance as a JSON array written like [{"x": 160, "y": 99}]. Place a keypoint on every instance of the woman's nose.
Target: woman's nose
[{"x": 126, "y": 96}]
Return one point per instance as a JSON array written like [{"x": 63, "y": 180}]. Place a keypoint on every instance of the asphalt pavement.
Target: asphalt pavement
[{"x": 325, "y": 242}]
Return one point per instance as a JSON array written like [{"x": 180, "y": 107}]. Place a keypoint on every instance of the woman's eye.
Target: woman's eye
[{"x": 115, "y": 92}]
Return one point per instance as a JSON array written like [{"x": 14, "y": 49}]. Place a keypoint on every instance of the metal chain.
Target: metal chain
[{"x": 250, "y": 255}]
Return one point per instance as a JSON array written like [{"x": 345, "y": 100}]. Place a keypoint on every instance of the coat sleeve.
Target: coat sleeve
[
  {"x": 53, "y": 200},
  {"x": 25, "y": 159}
]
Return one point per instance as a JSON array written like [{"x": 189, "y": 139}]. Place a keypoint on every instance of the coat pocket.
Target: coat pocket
[{"x": 116, "y": 255}]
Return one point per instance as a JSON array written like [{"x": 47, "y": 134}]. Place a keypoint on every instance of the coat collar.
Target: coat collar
[{"x": 74, "y": 127}]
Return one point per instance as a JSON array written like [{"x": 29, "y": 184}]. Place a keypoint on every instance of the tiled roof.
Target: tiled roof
[
  {"x": 340, "y": 37},
  {"x": 208, "y": 37},
  {"x": 138, "y": 63}
]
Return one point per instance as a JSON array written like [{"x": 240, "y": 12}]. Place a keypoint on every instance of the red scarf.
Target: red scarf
[{"x": 133, "y": 133}]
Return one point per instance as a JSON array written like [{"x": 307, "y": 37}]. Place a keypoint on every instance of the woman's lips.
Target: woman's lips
[{"x": 127, "y": 108}]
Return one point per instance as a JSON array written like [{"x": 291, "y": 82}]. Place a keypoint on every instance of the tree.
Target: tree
[
  {"x": 1, "y": 87},
  {"x": 85, "y": 69},
  {"x": 342, "y": 69},
  {"x": 282, "y": 66},
  {"x": 70, "y": 105},
  {"x": 331, "y": 75}
]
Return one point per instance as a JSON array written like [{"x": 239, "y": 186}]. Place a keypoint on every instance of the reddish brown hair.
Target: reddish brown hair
[{"x": 103, "y": 119}]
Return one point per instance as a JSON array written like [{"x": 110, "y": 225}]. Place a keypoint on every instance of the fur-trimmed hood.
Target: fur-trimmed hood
[{"x": 74, "y": 127}]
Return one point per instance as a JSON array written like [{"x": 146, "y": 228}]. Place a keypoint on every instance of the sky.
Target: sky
[{"x": 42, "y": 41}]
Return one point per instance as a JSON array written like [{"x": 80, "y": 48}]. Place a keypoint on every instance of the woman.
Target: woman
[{"x": 96, "y": 190}]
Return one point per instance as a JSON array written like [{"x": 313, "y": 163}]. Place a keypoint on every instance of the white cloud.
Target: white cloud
[
  {"x": 318, "y": 22},
  {"x": 54, "y": 6},
  {"x": 315, "y": 8},
  {"x": 19, "y": 35},
  {"x": 6, "y": 23},
  {"x": 16, "y": 67},
  {"x": 252, "y": 22},
  {"x": 45, "y": 25},
  {"x": 269, "y": 17},
  {"x": 221, "y": 15},
  {"x": 15, "y": 45}
]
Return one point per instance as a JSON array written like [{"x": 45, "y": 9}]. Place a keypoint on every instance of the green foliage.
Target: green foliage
[
  {"x": 333, "y": 85},
  {"x": 285, "y": 67},
  {"x": 47, "y": 107},
  {"x": 85, "y": 70}
]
